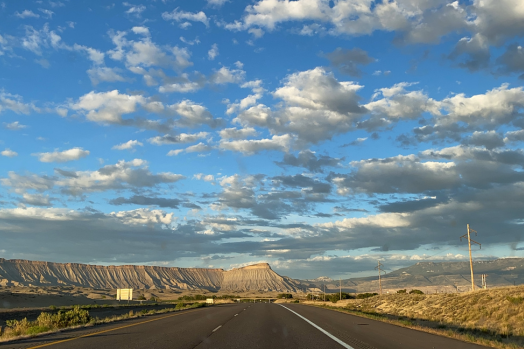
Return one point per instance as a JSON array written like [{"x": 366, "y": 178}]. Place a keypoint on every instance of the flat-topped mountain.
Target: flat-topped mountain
[{"x": 258, "y": 277}]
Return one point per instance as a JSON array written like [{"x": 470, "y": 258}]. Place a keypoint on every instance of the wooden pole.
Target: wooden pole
[
  {"x": 471, "y": 261},
  {"x": 340, "y": 288},
  {"x": 468, "y": 235}
]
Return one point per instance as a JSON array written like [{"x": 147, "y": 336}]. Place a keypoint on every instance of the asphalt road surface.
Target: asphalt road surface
[{"x": 245, "y": 325}]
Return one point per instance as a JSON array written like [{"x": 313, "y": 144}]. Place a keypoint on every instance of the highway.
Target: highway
[{"x": 246, "y": 325}]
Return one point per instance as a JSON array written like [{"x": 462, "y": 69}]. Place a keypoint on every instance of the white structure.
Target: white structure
[
  {"x": 210, "y": 301},
  {"x": 124, "y": 294}
]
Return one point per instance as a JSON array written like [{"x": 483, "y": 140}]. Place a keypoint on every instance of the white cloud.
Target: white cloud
[
  {"x": 14, "y": 126},
  {"x": 141, "y": 31},
  {"x": 129, "y": 145},
  {"x": 213, "y": 52},
  {"x": 249, "y": 147},
  {"x": 197, "y": 148},
  {"x": 235, "y": 133},
  {"x": 9, "y": 153},
  {"x": 63, "y": 156},
  {"x": 26, "y": 14},
  {"x": 99, "y": 74},
  {"x": 107, "y": 107},
  {"x": 144, "y": 216},
  {"x": 227, "y": 76},
  {"x": 182, "y": 16},
  {"x": 177, "y": 139},
  {"x": 135, "y": 10}
]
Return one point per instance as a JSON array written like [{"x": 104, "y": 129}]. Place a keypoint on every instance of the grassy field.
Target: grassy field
[{"x": 493, "y": 317}]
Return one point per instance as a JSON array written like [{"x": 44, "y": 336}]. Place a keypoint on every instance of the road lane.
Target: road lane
[
  {"x": 248, "y": 325},
  {"x": 267, "y": 325},
  {"x": 185, "y": 329},
  {"x": 366, "y": 333}
]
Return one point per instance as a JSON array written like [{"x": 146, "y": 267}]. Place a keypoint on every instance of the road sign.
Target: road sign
[{"x": 124, "y": 294}]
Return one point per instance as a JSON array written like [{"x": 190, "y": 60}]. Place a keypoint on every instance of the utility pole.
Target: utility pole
[
  {"x": 379, "y": 275},
  {"x": 340, "y": 279},
  {"x": 484, "y": 283},
  {"x": 468, "y": 235},
  {"x": 324, "y": 292}
]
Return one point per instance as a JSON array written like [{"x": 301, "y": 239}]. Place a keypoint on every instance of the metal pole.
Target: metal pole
[{"x": 340, "y": 288}]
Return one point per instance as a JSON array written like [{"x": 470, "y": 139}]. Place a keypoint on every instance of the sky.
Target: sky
[{"x": 318, "y": 136}]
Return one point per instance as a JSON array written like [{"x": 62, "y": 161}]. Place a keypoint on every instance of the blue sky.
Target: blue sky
[{"x": 318, "y": 136}]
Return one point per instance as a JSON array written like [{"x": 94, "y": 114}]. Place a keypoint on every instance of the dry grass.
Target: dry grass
[
  {"x": 492, "y": 317},
  {"x": 75, "y": 318}
]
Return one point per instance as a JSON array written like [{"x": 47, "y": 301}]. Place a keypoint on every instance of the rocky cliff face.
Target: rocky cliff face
[{"x": 257, "y": 277}]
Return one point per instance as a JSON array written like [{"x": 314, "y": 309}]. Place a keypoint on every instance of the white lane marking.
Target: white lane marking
[
  {"x": 320, "y": 329},
  {"x": 217, "y": 328},
  {"x": 236, "y": 314}
]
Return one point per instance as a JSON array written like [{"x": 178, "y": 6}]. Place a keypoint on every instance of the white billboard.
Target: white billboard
[{"x": 124, "y": 294}]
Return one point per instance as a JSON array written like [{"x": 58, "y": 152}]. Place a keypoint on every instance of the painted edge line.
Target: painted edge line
[
  {"x": 109, "y": 330},
  {"x": 216, "y": 329},
  {"x": 347, "y": 346}
]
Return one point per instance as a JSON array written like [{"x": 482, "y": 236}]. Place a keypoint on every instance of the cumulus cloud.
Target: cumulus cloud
[
  {"x": 177, "y": 139},
  {"x": 120, "y": 176},
  {"x": 14, "y": 126},
  {"x": 309, "y": 160},
  {"x": 348, "y": 61},
  {"x": 101, "y": 74},
  {"x": 8, "y": 153},
  {"x": 235, "y": 133},
  {"x": 63, "y": 156},
  {"x": 180, "y": 16},
  {"x": 213, "y": 52},
  {"x": 146, "y": 201},
  {"x": 107, "y": 107},
  {"x": 197, "y": 148},
  {"x": 26, "y": 14},
  {"x": 316, "y": 107},
  {"x": 249, "y": 147},
  {"x": 129, "y": 145}
]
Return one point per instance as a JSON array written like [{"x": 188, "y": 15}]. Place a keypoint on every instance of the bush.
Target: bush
[
  {"x": 141, "y": 297},
  {"x": 46, "y": 322},
  {"x": 416, "y": 292},
  {"x": 366, "y": 295},
  {"x": 402, "y": 291},
  {"x": 284, "y": 296},
  {"x": 180, "y": 305},
  {"x": 52, "y": 307}
]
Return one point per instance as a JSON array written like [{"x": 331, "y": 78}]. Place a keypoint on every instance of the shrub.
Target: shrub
[
  {"x": 180, "y": 305},
  {"x": 366, "y": 295},
  {"x": 52, "y": 307},
  {"x": 284, "y": 296},
  {"x": 152, "y": 299},
  {"x": 402, "y": 291},
  {"x": 515, "y": 300},
  {"x": 141, "y": 297},
  {"x": 416, "y": 292},
  {"x": 46, "y": 322}
]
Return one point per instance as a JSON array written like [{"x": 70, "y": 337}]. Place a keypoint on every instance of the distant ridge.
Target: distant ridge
[
  {"x": 257, "y": 277},
  {"x": 435, "y": 277}
]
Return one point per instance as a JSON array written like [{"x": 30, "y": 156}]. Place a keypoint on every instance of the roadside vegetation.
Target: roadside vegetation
[
  {"x": 76, "y": 317},
  {"x": 492, "y": 317}
]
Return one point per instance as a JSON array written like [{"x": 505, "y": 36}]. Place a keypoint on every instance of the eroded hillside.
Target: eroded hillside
[{"x": 257, "y": 277}]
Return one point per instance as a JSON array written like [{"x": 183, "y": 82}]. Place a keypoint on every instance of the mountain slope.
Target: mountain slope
[
  {"x": 259, "y": 277},
  {"x": 431, "y": 276}
]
